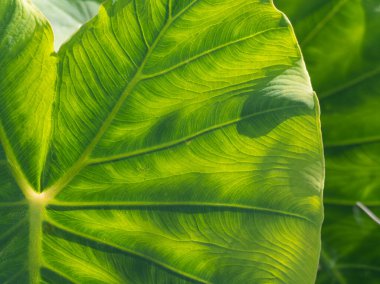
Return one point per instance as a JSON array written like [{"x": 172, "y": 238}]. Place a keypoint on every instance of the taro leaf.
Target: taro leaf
[
  {"x": 166, "y": 142},
  {"x": 340, "y": 41}
]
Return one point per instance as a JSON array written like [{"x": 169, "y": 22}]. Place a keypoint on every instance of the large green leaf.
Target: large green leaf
[
  {"x": 340, "y": 41},
  {"x": 166, "y": 142}
]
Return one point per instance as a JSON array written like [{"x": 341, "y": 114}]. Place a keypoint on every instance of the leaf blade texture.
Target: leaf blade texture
[{"x": 175, "y": 142}]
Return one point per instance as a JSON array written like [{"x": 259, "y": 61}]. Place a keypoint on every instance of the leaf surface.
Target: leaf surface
[
  {"x": 340, "y": 41},
  {"x": 165, "y": 142}
]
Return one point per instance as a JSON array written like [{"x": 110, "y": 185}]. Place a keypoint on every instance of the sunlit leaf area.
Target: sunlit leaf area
[{"x": 189, "y": 141}]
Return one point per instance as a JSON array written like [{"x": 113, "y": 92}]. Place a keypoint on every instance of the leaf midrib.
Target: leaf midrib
[
  {"x": 216, "y": 205},
  {"x": 336, "y": 269},
  {"x": 350, "y": 83},
  {"x": 59, "y": 273},
  {"x": 125, "y": 250},
  {"x": 326, "y": 259},
  {"x": 186, "y": 139},
  {"x": 208, "y": 52},
  {"x": 15, "y": 167},
  {"x": 52, "y": 191},
  {"x": 37, "y": 210},
  {"x": 82, "y": 161},
  {"x": 353, "y": 142},
  {"x": 139, "y": 76},
  {"x": 329, "y": 16},
  {"x": 344, "y": 266},
  {"x": 95, "y": 267}
]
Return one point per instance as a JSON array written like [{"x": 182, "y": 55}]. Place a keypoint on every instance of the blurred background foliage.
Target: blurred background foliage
[
  {"x": 340, "y": 40},
  {"x": 67, "y": 16}
]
